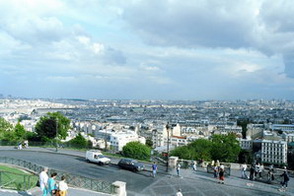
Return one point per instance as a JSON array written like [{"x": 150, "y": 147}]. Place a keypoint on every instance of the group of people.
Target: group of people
[
  {"x": 49, "y": 186},
  {"x": 219, "y": 172},
  {"x": 256, "y": 171}
]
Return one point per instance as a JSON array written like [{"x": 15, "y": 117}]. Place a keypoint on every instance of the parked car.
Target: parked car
[
  {"x": 131, "y": 164},
  {"x": 96, "y": 156}
]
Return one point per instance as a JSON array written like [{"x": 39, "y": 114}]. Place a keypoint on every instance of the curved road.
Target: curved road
[{"x": 136, "y": 182}]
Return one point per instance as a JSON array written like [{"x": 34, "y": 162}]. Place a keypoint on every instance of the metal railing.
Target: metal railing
[
  {"x": 21, "y": 182},
  {"x": 72, "y": 180}
]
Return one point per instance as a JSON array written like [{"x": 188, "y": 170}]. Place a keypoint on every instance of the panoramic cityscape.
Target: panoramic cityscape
[{"x": 167, "y": 97}]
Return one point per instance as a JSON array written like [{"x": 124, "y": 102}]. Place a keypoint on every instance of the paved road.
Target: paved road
[
  {"x": 191, "y": 183},
  {"x": 77, "y": 165}
]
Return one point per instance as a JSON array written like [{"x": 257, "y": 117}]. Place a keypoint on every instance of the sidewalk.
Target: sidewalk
[{"x": 234, "y": 180}]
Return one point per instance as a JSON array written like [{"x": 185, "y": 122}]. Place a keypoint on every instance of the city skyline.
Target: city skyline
[{"x": 168, "y": 50}]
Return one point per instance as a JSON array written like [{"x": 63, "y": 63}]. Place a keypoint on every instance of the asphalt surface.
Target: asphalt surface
[
  {"x": 191, "y": 183},
  {"x": 79, "y": 166}
]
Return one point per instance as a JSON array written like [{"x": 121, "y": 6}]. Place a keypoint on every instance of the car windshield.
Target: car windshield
[
  {"x": 101, "y": 156},
  {"x": 134, "y": 161}
]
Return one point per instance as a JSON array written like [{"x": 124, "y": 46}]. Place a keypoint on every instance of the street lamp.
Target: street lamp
[
  {"x": 167, "y": 129},
  {"x": 56, "y": 137}
]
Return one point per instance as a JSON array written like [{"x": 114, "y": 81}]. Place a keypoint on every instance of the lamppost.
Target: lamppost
[
  {"x": 167, "y": 129},
  {"x": 56, "y": 136}
]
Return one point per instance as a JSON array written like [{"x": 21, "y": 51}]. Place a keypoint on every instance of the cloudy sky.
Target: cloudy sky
[{"x": 155, "y": 49}]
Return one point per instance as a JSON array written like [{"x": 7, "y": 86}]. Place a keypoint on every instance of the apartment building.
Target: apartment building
[
  {"x": 271, "y": 151},
  {"x": 119, "y": 139}
]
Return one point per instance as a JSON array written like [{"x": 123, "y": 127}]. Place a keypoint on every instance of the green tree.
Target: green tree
[
  {"x": 199, "y": 149},
  {"x": 219, "y": 147},
  {"x": 225, "y": 147},
  {"x": 6, "y": 129},
  {"x": 137, "y": 150},
  {"x": 80, "y": 142},
  {"x": 149, "y": 143},
  {"x": 20, "y": 132},
  {"x": 46, "y": 126}
]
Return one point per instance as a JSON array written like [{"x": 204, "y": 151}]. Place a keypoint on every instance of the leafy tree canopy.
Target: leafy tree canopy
[
  {"x": 219, "y": 147},
  {"x": 80, "y": 142},
  {"x": 46, "y": 126},
  {"x": 137, "y": 150}
]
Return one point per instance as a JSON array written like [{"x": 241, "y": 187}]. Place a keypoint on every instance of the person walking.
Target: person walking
[
  {"x": 154, "y": 169},
  {"x": 285, "y": 177},
  {"x": 43, "y": 179},
  {"x": 178, "y": 168},
  {"x": 52, "y": 186},
  {"x": 221, "y": 175},
  {"x": 62, "y": 187}
]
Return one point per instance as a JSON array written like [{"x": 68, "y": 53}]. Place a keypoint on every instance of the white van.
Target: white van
[{"x": 96, "y": 156}]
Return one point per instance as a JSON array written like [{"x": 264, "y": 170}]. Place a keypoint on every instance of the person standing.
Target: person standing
[
  {"x": 62, "y": 186},
  {"x": 243, "y": 171},
  {"x": 194, "y": 165},
  {"x": 154, "y": 169},
  {"x": 178, "y": 168},
  {"x": 252, "y": 172},
  {"x": 52, "y": 186},
  {"x": 43, "y": 179},
  {"x": 260, "y": 170},
  {"x": 256, "y": 170},
  {"x": 215, "y": 171}
]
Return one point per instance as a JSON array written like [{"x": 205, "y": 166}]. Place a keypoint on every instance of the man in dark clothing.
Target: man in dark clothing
[{"x": 285, "y": 177}]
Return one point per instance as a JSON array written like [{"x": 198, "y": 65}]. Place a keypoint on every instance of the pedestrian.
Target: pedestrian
[
  {"x": 62, "y": 187},
  {"x": 179, "y": 193},
  {"x": 260, "y": 170},
  {"x": 285, "y": 180},
  {"x": 52, "y": 186},
  {"x": 194, "y": 165},
  {"x": 43, "y": 179},
  {"x": 256, "y": 169},
  {"x": 221, "y": 175},
  {"x": 251, "y": 172},
  {"x": 19, "y": 146},
  {"x": 154, "y": 169},
  {"x": 243, "y": 171},
  {"x": 217, "y": 163},
  {"x": 178, "y": 168},
  {"x": 215, "y": 171}
]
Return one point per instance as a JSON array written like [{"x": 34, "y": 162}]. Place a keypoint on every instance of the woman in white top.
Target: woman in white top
[
  {"x": 43, "y": 179},
  {"x": 62, "y": 187}
]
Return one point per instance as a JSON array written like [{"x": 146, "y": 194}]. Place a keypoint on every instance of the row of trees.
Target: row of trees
[
  {"x": 49, "y": 128},
  {"x": 220, "y": 147}
]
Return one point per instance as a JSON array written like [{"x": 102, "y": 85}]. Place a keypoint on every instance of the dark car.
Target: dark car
[{"x": 131, "y": 164}]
